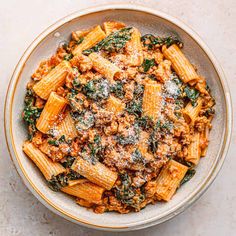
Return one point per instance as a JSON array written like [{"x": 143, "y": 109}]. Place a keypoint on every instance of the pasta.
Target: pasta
[
  {"x": 104, "y": 67},
  {"x": 117, "y": 120},
  {"x": 53, "y": 80},
  {"x": 46, "y": 166},
  {"x": 151, "y": 107},
  {"x": 96, "y": 173},
  {"x": 50, "y": 113},
  {"x": 85, "y": 190},
  {"x": 169, "y": 180},
  {"x": 181, "y": 65},
  {"x": 91, "y": 39}
]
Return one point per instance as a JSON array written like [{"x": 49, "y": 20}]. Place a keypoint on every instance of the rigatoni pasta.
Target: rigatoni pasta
[
  {"x": 54, "y": 106},
  {"x": 45, "y": 164},
  {"x": 169, "y": 180},
  {"x": 121, "y": 121},
  {"x": 181, "y": 64},
  {"x": 53, "y": 80},
  {"x": 96, "y": 173}
]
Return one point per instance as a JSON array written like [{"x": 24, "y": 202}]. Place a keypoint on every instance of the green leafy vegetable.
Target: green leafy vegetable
[
  {"x": 113, "y": 42},
  {"x": 137, "y": 156},
  {"x": 190, "y": 173},
  {"x": 147, "y": 64},
  {"x": 118, "y": 90},
  {"x": 192, "y": 94},
  {"x": 67, "y": 57},
  {"x": 150, "y": 41},
  {"x": 97, "y": 89},
  {"x": 126, "y": 193}
]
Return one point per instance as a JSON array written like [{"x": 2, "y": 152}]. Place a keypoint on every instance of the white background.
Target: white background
[{"x": 20, "y": 213}]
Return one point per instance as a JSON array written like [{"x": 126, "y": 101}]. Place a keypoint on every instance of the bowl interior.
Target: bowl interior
[{"x": 147, "y": 23}]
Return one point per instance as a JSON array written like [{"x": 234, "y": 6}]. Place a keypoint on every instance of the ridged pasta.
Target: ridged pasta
[
  {"x": 54, "y": 106},
  {"x": 111, "y": 26},
  {"x": 191, "y": 112},
  {"x": 85, "y": 190},
  {"x": 65, "y": 127},
  {"x": 97, "y": 173},
  {"x": 181, "y": 64},
  {"x": 194, "y": 149},
  {"x": 134, "y": 49},
  {"x": 103, "y": 66},
  {"x": 169, "y": 179},
  {"x": 53, "y": 80},
  {"x": 46, "y": 165},
  {"x": 90, "y": 40},
  {"x": 152, "y": 100},
  {"x": 115, "y": 105}
]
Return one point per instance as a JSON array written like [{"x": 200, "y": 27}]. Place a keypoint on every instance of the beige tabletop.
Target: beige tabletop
[{"x": 21, "y": 213}]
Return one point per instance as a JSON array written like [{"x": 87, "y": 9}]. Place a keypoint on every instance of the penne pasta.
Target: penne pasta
[
  {"x": 152, "y": 100},
  {"x": 181, "y": 64},
  {"x": 169, "y": 179},
  {"x": 46, "y": 165},
  {"x": 54, "y": 106},
  {"x": 104, "y": 67},
  {"x": 90, "y": 40},
  {"x": 115, "y": 105},
  {"x": 111, "y": 26},
  {"x": 97, "y": 173},
  {"x": 53, "y": 80},
  {"x": 85, "y": 190},
  {"x": 191, "y": 112},
  {"x": 194, "y": 149},
  {"x": 77, "y": 35},
  {"x": 134, "y": 49}
]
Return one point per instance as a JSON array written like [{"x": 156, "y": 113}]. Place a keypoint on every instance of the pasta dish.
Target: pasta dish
[{"x": 117, "y": 120}]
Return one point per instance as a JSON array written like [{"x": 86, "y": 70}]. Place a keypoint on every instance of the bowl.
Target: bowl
[{"x": 148, "y": 21}]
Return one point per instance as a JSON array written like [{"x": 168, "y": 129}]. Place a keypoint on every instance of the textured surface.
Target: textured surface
[{"x": 21, "y": 213}]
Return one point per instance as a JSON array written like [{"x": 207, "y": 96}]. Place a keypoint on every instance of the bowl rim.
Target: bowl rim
[{"x": 8, "y": 117}]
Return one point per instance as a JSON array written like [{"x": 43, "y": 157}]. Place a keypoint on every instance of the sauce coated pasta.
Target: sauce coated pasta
[{"x": 116, "y": 119}]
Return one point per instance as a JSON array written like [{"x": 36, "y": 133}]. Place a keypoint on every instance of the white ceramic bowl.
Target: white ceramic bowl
[{"x": 148, "y": 21}]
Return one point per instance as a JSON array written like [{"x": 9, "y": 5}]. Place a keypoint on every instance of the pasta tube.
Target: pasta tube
[
  {"x": 143, "y": 145},
  {"x": 54, "y": 106},
  {"x": 90, "y": 40},
  {"x": 111, "y": 26},
  {"x": 104, "y": 67},
  {"x": 152, "y": 100},
  {"x": 169, "y": 179},
  {"x": 97, "y": 173},
  {"x": 115, "y": 105},
  {"x": 53, "y": 80},
  {"x": 134, "y": 49},
  {"x": 46, "y": 165},
  {"x": 181, "y": 64},
  {"x": 194, "y": 149},
  {"x": 191, "y": 112},
  {"x": 65, "y": 127},
  {"x": 85, "y": 190}
]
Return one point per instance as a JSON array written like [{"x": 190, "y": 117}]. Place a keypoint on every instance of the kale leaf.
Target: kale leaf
[
  {"x": 192, "y": 94},
  {"x": 190, "y": 173},
  {"x": 113, "y": 42},
  {"x": 147, "y": 64}
]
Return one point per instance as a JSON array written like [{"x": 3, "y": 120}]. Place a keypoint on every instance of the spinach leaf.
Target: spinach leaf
[
  {"x": 137, "y": 156},
  {"x": 147, "y": 64},
  {"x": 150, "y": 41},
  {"x": 113, "y": 42},
  {"x": 118, "y": 90},
  {"x": 134, "y": 107},
  {"x": 126, "y": 193},
  {"x": 97, "y": 89},
  {"x": 190, "y": 173},
  {"x": 192, "y": 94},
  {"x": 68, "y": 161},
  {"x": 67, "y": 57}
]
